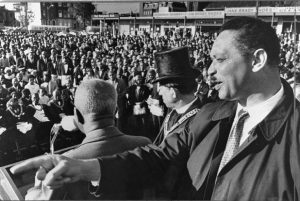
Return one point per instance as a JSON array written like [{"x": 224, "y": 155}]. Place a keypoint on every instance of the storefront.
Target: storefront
[{"x": 281, "y": 18}]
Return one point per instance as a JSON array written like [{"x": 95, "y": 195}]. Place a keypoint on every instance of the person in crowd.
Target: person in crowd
[
  {"x": 53, "y": 65},
  {"x": 121, "y": 88},
  {"x": 21, "y": 81},
  {"x": 4, "y": 63},
  {"x": 15, "y": 87},
  {"x": 77, "y": 75},
  {"x": 70, "y": 90},
  {"x": 45, "y": 81},
  {"x": 26, "y": 97},
  {"x": 68, "y": 108},
  {"x": 137, "y": 96},
  {"x": 52, "y": 85},
  {"x": 95, "y": 105},
  {"x": 64, "y": 69},
  {"x": 155, "y": 103},
  {"x": 36, "y": 110},
  {"x": 89, "y": 74},
  {"x": 21, "y": 61},
  {"x": 202, "y": 88},
  {"x": 235, "y": 149},
  {"x": 12, "y": 59},
  {"x": 9, "y": 75},
  {"x": 4, "y": 97},
  {"x": 55, "y": 109},
  {"x": 31, "y": 62},
  {"x": 32, "y": 85},
  {"x": 43, "y": 97},
  {"x": 15, "y": 109},
  {"x": 42, "y": 65}
]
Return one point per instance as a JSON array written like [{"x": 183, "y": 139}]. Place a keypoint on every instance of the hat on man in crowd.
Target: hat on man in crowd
[{"x": 174, "y": 65}]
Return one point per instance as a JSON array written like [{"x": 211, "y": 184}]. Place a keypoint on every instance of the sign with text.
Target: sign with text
[
  {"x": 192, "y": 14},
  {"x": 242, "y": 11}
]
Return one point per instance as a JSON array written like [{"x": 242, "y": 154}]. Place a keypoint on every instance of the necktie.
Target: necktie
[{"x": 234, "y": 138}]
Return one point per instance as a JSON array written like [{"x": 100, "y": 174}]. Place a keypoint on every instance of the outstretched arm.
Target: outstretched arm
[{"x": 56, "y": 170}]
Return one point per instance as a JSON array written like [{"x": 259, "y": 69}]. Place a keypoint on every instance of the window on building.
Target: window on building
[
  {"x": 43, "y": 13},
  {"x": 64, "y": 14},
  {"x": 59, "y": 4},
  {"x": 60, "y": 13}
]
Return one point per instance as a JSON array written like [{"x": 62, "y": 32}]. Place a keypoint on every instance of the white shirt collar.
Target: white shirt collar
[
  {"x": 264, "y": 108},
  {"x": 184, "y": 108},
  {"x": 258, "y": 113}
]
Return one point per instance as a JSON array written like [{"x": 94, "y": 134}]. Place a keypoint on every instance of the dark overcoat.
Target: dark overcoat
[{"x": 266, "y": 167}]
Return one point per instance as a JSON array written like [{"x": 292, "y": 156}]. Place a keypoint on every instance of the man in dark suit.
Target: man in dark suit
[
  {"x": 245, "y": 147},
  {"x": 121, "y": 88},
  {"x": 64, "y": 69},
  {"x": 21, "y": 60},
  {"x": 95, "y": 105},
  {"x": 15, "y": 87},
  {"x": 176, "y": 85},
  {"x": 42, "y": 65}
]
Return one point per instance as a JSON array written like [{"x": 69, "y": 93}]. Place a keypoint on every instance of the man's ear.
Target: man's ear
[
  {"x": 174, "y": 92},
  {"x": 79, "y": 116},
  {"x": 259, "y": 59}
]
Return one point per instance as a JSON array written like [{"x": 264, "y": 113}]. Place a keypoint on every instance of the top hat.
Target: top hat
[{"x": 174, "y": 65}]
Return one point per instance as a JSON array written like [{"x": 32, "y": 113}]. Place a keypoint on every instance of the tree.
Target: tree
[
  {"x": 82, "y": 12},
  {"x": 25, "y": 21}
]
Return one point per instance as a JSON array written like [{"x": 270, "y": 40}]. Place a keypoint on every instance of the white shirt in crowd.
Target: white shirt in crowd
[{"x": 34, "y": 88}]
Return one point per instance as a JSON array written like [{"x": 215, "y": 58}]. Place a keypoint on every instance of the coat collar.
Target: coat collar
[
  {"x": 271, "y": 125},
  {"x": 101, "y": 134}
]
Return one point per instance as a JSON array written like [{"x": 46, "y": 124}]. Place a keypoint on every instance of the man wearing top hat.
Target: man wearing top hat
[{"x": 176, "y": 84}]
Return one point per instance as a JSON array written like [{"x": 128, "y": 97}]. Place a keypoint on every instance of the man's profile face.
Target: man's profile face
[
  {"x": 167, "y": 95},
  {"x": 230, "y": 71}
]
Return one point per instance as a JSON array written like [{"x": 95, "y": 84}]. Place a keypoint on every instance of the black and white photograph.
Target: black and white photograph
[{"x": 150, "y": 100}]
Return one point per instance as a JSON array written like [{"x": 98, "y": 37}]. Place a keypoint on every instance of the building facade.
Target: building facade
[
  {"x": 163, "y": 19},
  {"x": 57, "y": 14},
  {"x": 7, "y": 17}
]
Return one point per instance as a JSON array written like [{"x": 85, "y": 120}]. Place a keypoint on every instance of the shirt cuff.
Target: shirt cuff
[{"x": 94, "y": 186}]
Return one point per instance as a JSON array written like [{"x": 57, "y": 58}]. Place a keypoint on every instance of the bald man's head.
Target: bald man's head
[{"x": 96, "y": 96}]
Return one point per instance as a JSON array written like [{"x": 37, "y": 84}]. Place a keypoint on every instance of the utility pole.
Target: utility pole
[
  {"x": 26, "y": 13},
  {"x": 257, "y": 6}
]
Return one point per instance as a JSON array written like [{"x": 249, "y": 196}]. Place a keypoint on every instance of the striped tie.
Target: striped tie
[{"x": 234, "y": 138}]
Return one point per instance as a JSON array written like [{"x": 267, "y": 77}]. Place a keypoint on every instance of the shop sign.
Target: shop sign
[
  {"x": 240, "y": 11},
  {"x": 192, "y": 14}
]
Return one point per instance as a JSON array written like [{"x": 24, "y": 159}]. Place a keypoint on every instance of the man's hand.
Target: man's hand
[{"x": 56, "y": 170}]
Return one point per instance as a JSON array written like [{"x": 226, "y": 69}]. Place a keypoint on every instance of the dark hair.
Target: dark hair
[
  {"x": 25, "y": 92},
  {"x": 253, "y": 34},
  {"x": 31, "y": 76}
]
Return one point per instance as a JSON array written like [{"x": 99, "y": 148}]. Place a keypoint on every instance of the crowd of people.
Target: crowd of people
[
  {"x": 236, "y": 148},
  {"x": 40, "y": 73}
]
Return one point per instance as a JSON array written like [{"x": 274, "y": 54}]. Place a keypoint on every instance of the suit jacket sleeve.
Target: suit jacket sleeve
[{"x": 149, "y": 163}]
